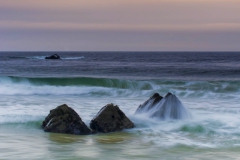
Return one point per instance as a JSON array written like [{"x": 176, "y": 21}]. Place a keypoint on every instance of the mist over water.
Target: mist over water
[
  {"x": 168, "y": 108},
  {"x": 206, "y": 85}
]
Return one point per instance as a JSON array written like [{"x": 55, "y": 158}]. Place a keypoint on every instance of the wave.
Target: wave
[
  {"x": 80, "y": 86},
  {"x": 196, "y": 129},
  {"x": 116, "y": 87},
  {"x": 43, "y": 57},
  {"x": 29, "y": 121},
  {"x": 169, "y": 107},
  {"x": 82, "y": 81},
  {"x": 73, "y": 58}
]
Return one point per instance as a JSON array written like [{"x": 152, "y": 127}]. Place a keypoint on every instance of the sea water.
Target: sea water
[{"x": 206, "y": 83}]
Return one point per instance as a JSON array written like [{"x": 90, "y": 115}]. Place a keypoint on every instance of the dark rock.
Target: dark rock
[
  {"x": 169, "y": 94},
  {"x": 109, "y": 119},
  {"x": 169, "y": 107},
  {"x": 54, "y": 56},
  {"x": 147, "y": 105},
  {"x": 64, "y": 119}
]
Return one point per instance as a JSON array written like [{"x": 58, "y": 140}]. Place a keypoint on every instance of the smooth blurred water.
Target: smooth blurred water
[
  {"x": 124, "y": 65},
  {"x": 207, "y": 84}
]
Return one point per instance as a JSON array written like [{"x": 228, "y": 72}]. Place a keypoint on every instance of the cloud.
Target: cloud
[
  {"x": 120, "y": 25},
  {"x": 22, "y": 25},
  {"x": 118, "y": 40}
]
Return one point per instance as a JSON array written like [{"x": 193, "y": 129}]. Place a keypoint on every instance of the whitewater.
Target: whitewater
[{"x": 207, "y": 84}]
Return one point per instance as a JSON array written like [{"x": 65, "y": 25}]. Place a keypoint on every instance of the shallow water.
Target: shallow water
[{"x": 213, "y": 131}]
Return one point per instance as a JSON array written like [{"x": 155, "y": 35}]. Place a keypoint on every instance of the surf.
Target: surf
[{"x": 11, "y": 85}]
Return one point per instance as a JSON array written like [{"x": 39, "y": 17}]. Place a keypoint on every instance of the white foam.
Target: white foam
[
  {"x": 36, "y": 57},
  {"x": 63, "y": 58},
  {"x": 167, "y": 108},
  {"x": 17, "y": 118},
  {"x": 72, "y": 58}
]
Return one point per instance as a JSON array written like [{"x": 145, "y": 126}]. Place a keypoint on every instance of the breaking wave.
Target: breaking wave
[
  {"x": 117, "y": 87},
  {"x": 63, "y": 58}
]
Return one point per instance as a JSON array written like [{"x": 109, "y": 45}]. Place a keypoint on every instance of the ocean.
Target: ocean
[{"x": 207, "y": 84}]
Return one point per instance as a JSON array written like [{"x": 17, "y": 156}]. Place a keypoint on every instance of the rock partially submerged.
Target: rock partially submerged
[
  {"x": 64, "y": 119},
  {"x": 147, "y": 105},
  {"x": 110, "y": 118},
  {"x": 168, "y": 107},
  {"x": 54, "y": 56}
]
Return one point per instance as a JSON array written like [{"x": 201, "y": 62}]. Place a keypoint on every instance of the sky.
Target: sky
[{"x": 120, "y": 25}]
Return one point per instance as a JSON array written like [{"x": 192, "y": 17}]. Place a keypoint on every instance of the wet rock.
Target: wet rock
[
  {"x": 169, "y": 107},
  {"x": 54, "y": 56},
  {"x": 109, "y": 119},
  {"x": 149, "y": 104},
  {"x": 64, "y": 119}
]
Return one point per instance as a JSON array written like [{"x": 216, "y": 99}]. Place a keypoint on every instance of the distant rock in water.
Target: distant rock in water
[
  {"x": 168, "y": 107},
  {"x": 109, "y": 119},
  {"x": 54, "y": 56},
  {"x": 64, "y": 119}
]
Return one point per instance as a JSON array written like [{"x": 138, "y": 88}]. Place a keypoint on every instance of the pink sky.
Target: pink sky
[{"x": 120, "y": 25}]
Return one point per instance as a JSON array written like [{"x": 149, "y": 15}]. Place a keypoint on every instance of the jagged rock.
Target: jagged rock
[
  {"x": 147, "y": 105},
  {"x": 64, "y": 119},
  {"x": 110, "y": 118},
  {"x": 54, "y": 56},
  {"x": 168, "y": 107}
]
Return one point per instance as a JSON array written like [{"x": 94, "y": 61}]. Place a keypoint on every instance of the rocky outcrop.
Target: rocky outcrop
[
  {"x": 147, "y": 105},
  {"x": 54, "y": 56},
  {"x": 64, "y": 119},
  {"x": 110, "y": 118},
  {"x": 169, "y": 107}
]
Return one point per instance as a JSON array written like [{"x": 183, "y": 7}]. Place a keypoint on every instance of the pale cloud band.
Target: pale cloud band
[
  {"x": 154, "y": 25},
  {"x": 22, "y": 25}
]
